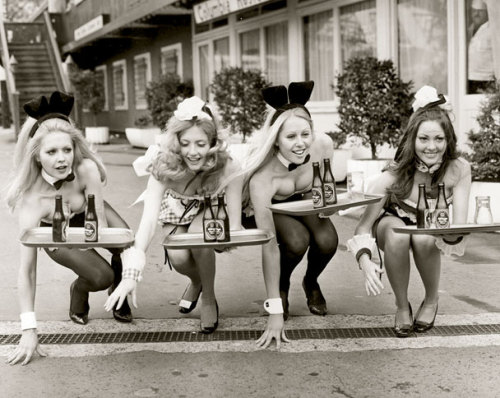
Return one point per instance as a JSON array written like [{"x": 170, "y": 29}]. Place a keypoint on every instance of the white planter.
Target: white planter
[
  {"x": 339, "y": 163},
  {"x": 491, "y": 189},
  {"x": 97, "y": 135},
  {"x": 142, "y": 137}
]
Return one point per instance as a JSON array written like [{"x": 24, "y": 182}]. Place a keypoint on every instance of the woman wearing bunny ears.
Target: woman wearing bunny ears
[
  {"x": 279, "y": 169},
  {"x": 191, "y": 161},
  {"x": 52, "y": 158},
  {"x": 426, "y": 155}
]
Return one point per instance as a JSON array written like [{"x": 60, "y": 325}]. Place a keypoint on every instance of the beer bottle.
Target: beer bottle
[
  {"x": 329, "y": 188},
  {"x": 90, "y": 220},
  {"x": 222, "y": 217},
  {"x": 59, "y": 222},
  {"x": 317, "y": 187},
  {"x": 209, "y": 227},
  {"x": 442, "y": 215},
  {"x": 422, "y": 206}
]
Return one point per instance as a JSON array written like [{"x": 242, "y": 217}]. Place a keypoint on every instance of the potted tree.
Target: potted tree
[
  {"x": 89, "y": 93},
  {"x": 374, "y": 107},
  {"x": 162, "y": 97},
  {"x": 485, "y": 155}
]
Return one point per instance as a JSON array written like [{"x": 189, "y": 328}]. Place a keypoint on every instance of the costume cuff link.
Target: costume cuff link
[
  {"x": 28, "y": 320},
  {"x": 273, "y": 306}
]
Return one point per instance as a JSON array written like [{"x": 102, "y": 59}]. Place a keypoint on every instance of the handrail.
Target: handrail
[
  {"x": 12, "y": 93},
  {"x": 55, "y": 51}
]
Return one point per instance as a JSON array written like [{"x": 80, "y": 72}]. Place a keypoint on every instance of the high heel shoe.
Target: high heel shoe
[
  {"x": 284, "y": 300},
  {"x": 315, "y": 300},
  {"x": 81, "y": 318},
  {"x": 421, "y": 327},
  {"x": 405, "y": 329},
  {"x": 185, "y": 306},
  {"x": 211, "y": 329},
  {"x": 124, "y": 314}
]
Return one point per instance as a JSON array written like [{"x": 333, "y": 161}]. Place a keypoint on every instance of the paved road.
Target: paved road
[{"x": 450, "y": 366}]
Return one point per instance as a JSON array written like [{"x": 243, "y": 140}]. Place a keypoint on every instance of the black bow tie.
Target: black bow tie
[
  {"x": 293, "y": 166},
  {"x": 58, "y": 183}
]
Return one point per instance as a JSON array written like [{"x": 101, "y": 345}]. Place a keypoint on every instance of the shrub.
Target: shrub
[
  {"x": 374, "y": 102},
  {"x": 237, "y": 93},
  {"x": 485, "y": 143},
  {"x": 89, "y": 90},
  {"x": 163, "y": 96}
]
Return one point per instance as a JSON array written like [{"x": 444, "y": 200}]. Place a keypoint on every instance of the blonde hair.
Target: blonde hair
[
  {"x": 169, "y": 163},
  {"x": 26, "y": 166}
]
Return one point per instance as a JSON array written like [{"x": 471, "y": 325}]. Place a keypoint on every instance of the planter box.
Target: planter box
[
  {"x": 339, "y": 163},
  {"x": 491, "y": 189},
  {"x": 371, "y": 168},
  {"x": 97, "y": 135},
  {"x": 142, "y": 137}
]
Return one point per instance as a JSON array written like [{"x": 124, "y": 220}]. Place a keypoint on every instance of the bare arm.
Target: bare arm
[
  {"x": 233, "y": 198},
  {"x": 91, "y": 178}
]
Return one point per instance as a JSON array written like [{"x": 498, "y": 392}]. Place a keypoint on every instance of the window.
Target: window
[
  {"x": 250, "y": 49},
  {"x": 358, "y": 30},
  {"x": 221, "y": 54},
  {"x": 142, "y": 76},
  {"x": 318, "y": 53},
  {"x": 204, "y": 71},
  {"x": 423, "y": 43},
  {"x": 120, "y": 95},
  {"x": 276, "y": 39},
  {"x": 480, "y": 41},
  {"x": 171, "y": 59},
  {"x": 103, "y": 74}
]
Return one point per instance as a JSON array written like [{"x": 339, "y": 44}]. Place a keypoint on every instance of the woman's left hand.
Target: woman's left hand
[
  {"x": 275, "y": 330},
  {"x": 126, "y": 287}
]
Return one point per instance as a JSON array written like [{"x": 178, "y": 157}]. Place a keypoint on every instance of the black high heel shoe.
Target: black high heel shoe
[
  {"x": 81, "y": 318},
  {"x": 315, "y": 300},
  {"x": 124, "y": 314},
  {"x": 284, "y": 300},
  {"x": 405, "y": 329},
  {"x": 421, "y": 327},
  {"x": 185, "y": 306},
  {"x": 211, "y": 329}
]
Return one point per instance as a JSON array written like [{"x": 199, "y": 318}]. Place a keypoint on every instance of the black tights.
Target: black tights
[
  {"x": 94, "y": 272},
  {"x": 297, "y": 234}
]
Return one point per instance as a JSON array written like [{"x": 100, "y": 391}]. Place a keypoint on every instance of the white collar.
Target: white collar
[
  {"x": 284, "y": 161},
  {"x": 51, "y": 180}
]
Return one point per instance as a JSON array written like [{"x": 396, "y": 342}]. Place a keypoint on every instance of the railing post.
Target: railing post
[{"x": 16, "y": 115}]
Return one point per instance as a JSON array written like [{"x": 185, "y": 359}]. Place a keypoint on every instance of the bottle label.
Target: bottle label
[
  {"x": 90, "y": 231},
  {"x": 330, "y": 194},
  {"x": 317, "y": 197},
  {"x": 220, "y": 231},
  {"x": 429, "y": 218},
  {"x": 442, "y": 218},
  {"x": 209, "y": 230}
]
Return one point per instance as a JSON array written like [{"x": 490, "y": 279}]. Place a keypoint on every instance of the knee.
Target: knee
[
  {"x": 179, "y": 258},
  {"x": 101, "y": 279},
  {"x": 423, "y": 243},
  {"x": 327, "y": 243},
  {"x": 396, "y": 241},
  {"x": 295, "y": 246}
]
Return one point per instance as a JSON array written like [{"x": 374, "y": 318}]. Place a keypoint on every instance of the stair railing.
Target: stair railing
[{"x": 54, "y": 49}]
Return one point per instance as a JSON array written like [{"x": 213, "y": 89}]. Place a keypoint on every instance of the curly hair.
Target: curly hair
[
  {"x": 26, "y": 167},
  {"x": 170, "y": 165},
  {"x": 404, "y": 164}
]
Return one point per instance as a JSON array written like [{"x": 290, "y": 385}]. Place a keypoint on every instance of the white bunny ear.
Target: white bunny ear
[{"x": 358, "y": 242}]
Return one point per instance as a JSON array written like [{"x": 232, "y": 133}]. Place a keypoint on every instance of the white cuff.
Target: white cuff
[
  {"x": 274, "y": 306},
  {"x": 449, "y": 250},
  {"x": 28, "y": 320},
  {"x": 133, "y": 260}
]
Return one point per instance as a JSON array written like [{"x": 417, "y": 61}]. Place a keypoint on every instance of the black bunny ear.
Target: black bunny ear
[
  {"x": 276, "y": 96},
  {"x": 37, "y": 107},
  {"x": 61, "y": 103},
  {"x": 300, "y": 92}
]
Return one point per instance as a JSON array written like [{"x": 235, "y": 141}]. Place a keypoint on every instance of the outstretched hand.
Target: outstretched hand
[
  {"x": 126, "y": 287},
  {"x": 373, "y": 273},
  {"x": 27, "y": 347},
  {"x": 275, "y": 330}
]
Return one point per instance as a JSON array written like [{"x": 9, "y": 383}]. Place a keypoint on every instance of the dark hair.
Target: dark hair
[{"x": 404, "y": 165}]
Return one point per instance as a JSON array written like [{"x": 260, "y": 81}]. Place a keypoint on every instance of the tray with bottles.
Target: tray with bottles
[
  {"x": 247, "y": 237},
  {"x": 345, "y": 200},
  {"x": 452, "y": 229},
  {"x": 108, "y": 237}
]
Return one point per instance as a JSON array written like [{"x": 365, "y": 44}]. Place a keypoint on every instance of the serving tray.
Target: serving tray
[
  {"x": 453, "y": 229},
  {"x": 305, "y": 207},
  {"x": 108, "y": 237},
  {"x": 247, "y": 237}
]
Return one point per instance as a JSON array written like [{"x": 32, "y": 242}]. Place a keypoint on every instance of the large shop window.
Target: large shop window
[
  {"x": 221, "y": 54},
  {"x": 277, "y": 53},
  {"x": 318, "y": 53},
  {"x": 481, "y": 42},
  {"x": 102, "y": 74},
  {"x": 120, "y": 96},
  {"x": 142, "y": 76},
  {"x": 423, "y": 43},
  {"x": 250, "y": 49},
  {"x": 171, "y": 59},
  {"x": 358, "y": 30}
]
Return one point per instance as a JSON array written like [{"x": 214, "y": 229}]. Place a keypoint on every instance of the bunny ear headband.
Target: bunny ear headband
[
  {"x": 59, "y": 106},
  {"x": 281, "y": 99}
]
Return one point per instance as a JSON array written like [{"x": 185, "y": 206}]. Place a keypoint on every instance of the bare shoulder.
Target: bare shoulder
[
  {"x": 460, "y": 167},
  {"x": 87, "y": 168},
  {"x": 379, "y": 184},
  {"x": 323, "y": 139},
  {"x": 31, "y": 210},
  {"x": 262, "y": 181},
  {"x": 232, "y": 166}
]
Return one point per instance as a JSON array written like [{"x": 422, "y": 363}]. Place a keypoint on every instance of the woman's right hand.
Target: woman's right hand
[
  {"x": 373, "y": 273},
  {"x": 28, "y": 345},
  {"x": 275, "y": 330},
  {"x": 126, "y": 287}
]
